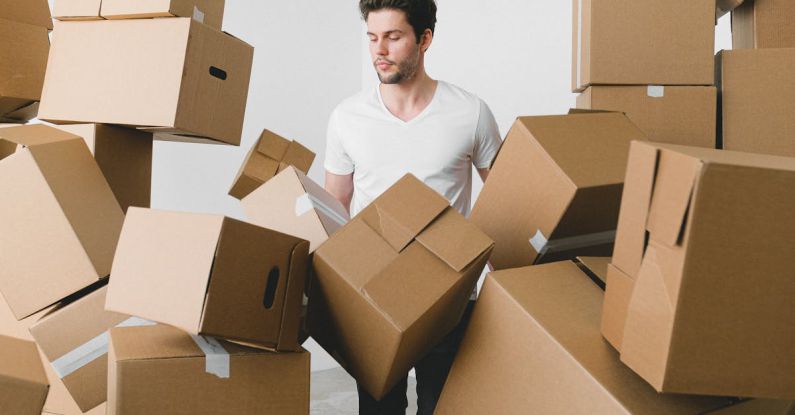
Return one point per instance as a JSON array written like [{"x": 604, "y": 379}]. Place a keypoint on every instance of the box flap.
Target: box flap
[
  {"x": 673, "y": 189},
  {"x": 34, "y": 134},
  {"x": 163, "y": 342},
  {"x": 403, "y": 211},
  {"x": 455, "y": 240},
  {"x": 76, "y": 9},
  {"x": 19, "y": 359},
  {"x": 32, "y": 12},
  {"x": 299, "y": 156},
  {"x": 23, "y": 62},
  {"x": 272, "y": 145}
]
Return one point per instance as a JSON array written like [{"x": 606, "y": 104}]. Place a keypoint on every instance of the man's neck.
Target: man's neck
[{"x": 408, "y": 99}]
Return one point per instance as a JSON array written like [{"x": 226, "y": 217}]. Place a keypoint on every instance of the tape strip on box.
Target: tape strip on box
[
  {"x": 216, "y": 357},
  {"x": 307, "y": 202},
  {"x": 542, "y": 245}
]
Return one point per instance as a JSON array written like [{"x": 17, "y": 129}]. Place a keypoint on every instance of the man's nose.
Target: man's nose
[{"x": 381, "y": 48}]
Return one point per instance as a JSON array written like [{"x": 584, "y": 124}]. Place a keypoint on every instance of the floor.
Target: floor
[{"x": 334, "y": 393}]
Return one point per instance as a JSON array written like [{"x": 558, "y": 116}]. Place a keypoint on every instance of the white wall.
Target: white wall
[{"x": 515, "y": 54}]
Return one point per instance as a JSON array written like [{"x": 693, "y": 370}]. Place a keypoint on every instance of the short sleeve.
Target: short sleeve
[
  {"x": 487, "y": 138},
  {"x": 337, "y": 159}
]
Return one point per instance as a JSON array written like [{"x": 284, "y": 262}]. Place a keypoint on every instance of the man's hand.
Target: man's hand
[{"x": 341, "y": 187}]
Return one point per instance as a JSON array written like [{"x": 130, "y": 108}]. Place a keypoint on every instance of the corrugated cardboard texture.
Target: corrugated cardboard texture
[
  {"x": 209, "y": 12},
  {"x": 125, "y": 157},
  {"x": 159, "y": 369},
  {"x": 32, "y": 12},
  {"x": 163, "y": 73},
  {"x": 281, "y": 204},
  {"x": 270, "y": 155},
  {"x": 595, "y": 267},
  {"x": 23, "y": 384},
  {"x": 76, "y": 9},
  {"x": 23, "y": 60},
  {"x": 759, "y": 24},
  {"x": 60, "y": 199},
  {"x": 756, "y": 108},
  {"x": 70, "y": 328},
  {"x": 393, "y": 281},
  {"x": 682, "y": 115},
  {"x": 725, "y": 6},
  {"x": 533, "y": 346},
  {"x": 219, "y": 268},
  {"x": 643, "y": 42},
  {"x": 711, "y": 310},
  {"x": 560, "y": 175}
]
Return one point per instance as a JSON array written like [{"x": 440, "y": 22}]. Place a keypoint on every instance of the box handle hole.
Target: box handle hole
[
  {"x": 218, "y": 73},
  {"x": 270, "y": 288}
]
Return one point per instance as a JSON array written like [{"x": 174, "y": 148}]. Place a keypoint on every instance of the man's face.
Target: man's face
[{"x": 393, "y": 46}]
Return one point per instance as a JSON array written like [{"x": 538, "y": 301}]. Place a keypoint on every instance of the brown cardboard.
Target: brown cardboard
[
  {"x": 559, "y": 179},
  {"x": 759, "y": 24},
  {"x": 71, "y": 338},
  {"x": 595, "y": 267},
  {"x": 722, "y": 7},
  {"x": 209, "y": 12},
  {"x": 642, "y": 42},
  {"x": 294, "y": 204},
  {"x": 710, "y": 311},
  {"x": 533, "y": 347},
  {"x": 59, "y": 218},
  {"x": 756, "y": 101},
  {"x": 32, "y": 12},
  {"x": 23, "y": 60},
  {"x": 234, "y": 280},
  {"x": 163, "y": 75},
  {"x": 125, "y": 157},
  {"x": 666, "y": 114},
  {"x": 23, "y": 385},
  {"x": 414, "y": 265},
  {"x": 618, "y": 292},
  {"x": 268, "y": 156},
  {"x": 158, "y": 370}
]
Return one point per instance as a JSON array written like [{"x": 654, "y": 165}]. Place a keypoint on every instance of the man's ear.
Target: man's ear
[{"x": 426, "y": 40}]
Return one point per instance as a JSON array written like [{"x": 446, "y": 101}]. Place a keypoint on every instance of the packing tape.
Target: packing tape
[
  {"x": 655, "y": 91},
  {"x": 91, "y": 350},
  {"x": 544, "y": 246},
  {"x": 307, "y": 202},
  {"x": 198, "y": 15},
  {"x": 215, "y": 356},
  {"x": 579, "y": 43}
]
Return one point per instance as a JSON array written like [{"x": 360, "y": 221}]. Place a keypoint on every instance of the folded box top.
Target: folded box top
[{"x": 34, "y": 135}]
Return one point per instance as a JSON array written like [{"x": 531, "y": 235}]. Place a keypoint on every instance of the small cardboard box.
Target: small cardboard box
[
  {"x": 153, "y": 370},
  {"x": 711, "y": 309},
  {"x": 23, "y": 61},
  {"x": 756, "y": 101},
  {"x": 666, "y": 114},
  {"x": 643, "y": 42},
  {"x": 209, "y": 12},
  {"x": 60, "y": 221},
  {"x": 533, "y": 346},
  {"x": 270, "y": 155},
  {"x": 23, "y": 384},
  {"x": 74, "y": 340},
  {"x": 294, "y": 204},
  {"x": 176, "y": 77},
  {"x": 761, "y": 24},
  {"x": 555, "y": 187},
  {"x": 414, "y": 265},
  {"x": 32, "y": 12},
  {"x": 125, "y": 157},
  {"x": 234, "y": 280},
  {"x": 723, "y": 7}
]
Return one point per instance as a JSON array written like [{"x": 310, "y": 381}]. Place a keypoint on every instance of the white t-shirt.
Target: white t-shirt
[{"x": 439, "y": 146}]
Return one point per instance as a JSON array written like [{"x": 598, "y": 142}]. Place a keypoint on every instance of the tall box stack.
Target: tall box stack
[{"x": 651, "y": 60}]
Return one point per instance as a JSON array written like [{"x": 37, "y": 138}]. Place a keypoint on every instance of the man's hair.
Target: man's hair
[{"x": 421, "y": 14}]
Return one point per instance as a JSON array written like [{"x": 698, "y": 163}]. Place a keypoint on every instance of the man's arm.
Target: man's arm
[
  {"x": 484, "y": 173},
  {"x": 341, "y": 187}
]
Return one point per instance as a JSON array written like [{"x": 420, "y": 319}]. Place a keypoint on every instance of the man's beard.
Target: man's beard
[{"x": 406, "y": 70}]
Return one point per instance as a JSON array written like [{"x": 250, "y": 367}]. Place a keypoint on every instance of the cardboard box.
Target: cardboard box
[
  {"x": 294, "y": 204},
  {"x": 595, "y": 267},
  {"x": 666, "y": 114},
  {"x": 555, "y": 187},
  {"x": 723, "y": 7},
  {"x": 157, "y": 369},
  {"x": 74, "y": 340},
  {"x": 415, "y": 264},
  {"x": 125, "y": 157},
  {"x": 756, "y": 101},
  {"x": 642, "y": 42},
  {"x": 60, "y": 221},
  {"x": 32, "y": 12},
  {"x": 270, "y": 155},
  {"x": 711, "y": 311},
  {"x": 209, "y": 12},
  {"x": 176, "y": 77},
  {"x": 759, "y": 24},
  {"x": 234, "y": 280},
  {"x": 23, "y": 385},
  {"x": 533, "y": 346},
  {"x": 23, "y": 60}
]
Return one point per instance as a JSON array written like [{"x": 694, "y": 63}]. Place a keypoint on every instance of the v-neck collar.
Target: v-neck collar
[{"x": 418, "y": 116}]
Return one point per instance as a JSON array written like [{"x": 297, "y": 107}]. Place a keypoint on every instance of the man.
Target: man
[{"x": 409, "y": 123}]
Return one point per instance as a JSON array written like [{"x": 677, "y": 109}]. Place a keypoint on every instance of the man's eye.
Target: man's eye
[{"x": 394, "y": 38}]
